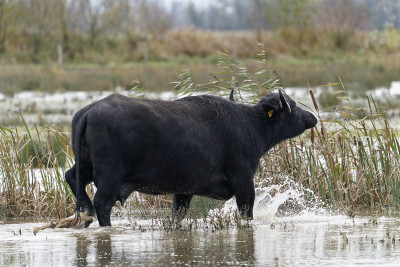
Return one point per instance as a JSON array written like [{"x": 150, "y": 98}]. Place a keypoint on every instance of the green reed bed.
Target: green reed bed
[
  {"x": 351, "y": 162},
  {"x": 32, "y": 166}
]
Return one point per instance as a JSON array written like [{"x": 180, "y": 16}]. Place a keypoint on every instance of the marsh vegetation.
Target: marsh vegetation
[{"x": 350, "y": 163}]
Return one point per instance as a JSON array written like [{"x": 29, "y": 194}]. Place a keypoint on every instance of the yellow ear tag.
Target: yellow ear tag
[{"x": 270, "y": 113}]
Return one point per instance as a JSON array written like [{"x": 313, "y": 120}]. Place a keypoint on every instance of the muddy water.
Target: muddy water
[
  {"x": 291, "y": 228},
  {"x": 307, "y": 239}
]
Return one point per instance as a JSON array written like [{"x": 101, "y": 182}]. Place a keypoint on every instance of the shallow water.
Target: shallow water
[
  {"x": 307, "y": 239},
  {"x": 291, "y": 228}
]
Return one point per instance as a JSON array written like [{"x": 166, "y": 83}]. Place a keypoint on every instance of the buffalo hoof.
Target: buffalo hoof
[
  {"x": 81, "y": 220},
  {"x": 77, "y": 221}
]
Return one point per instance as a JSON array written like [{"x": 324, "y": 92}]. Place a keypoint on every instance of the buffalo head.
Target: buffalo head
[{"x": 284, "y": 119}]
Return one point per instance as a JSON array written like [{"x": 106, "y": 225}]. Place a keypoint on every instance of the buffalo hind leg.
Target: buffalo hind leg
[
  {"x": 180, "y": 206},
  {"x": 86, "y": 205}
]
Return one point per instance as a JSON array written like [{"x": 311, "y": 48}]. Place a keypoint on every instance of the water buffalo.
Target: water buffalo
[{"x": 198, "y": 145}]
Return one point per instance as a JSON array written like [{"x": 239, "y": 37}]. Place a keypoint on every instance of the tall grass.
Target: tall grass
[
  {"x": 351, "y": 162},
  {"x": 32, "y": 166}
]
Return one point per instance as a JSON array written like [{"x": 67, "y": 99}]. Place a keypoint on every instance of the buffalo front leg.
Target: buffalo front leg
[
  {"x": 180, "y": 205},
  {"x": 245, "y": 195},
  {"x": 105, "y": 198}
]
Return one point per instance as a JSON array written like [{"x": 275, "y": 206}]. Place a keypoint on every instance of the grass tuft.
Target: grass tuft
[{"x": 32, "y": 166}]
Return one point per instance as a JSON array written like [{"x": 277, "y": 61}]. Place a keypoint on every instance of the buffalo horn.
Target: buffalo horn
[
  {"x": 284, "y": 103},
  {"x": 231, "y": 98}
]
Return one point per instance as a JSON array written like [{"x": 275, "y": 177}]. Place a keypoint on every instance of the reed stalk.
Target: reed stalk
[{"x": 32, "y": 166}]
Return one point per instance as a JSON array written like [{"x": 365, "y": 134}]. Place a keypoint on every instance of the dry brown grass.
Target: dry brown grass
[
  {"x": 32, "y": 166},
  {"x": 351, "y": 163}
]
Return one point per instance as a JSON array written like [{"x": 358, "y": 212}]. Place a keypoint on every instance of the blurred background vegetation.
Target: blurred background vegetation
[
  {"x": 71, "y": 45},
  {"x": 62, "y": 45}
]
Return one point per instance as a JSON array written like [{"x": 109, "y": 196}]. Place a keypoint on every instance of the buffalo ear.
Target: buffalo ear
[
  {"x": 269, "y": 110},
  {"x": 284, "y": 104}
]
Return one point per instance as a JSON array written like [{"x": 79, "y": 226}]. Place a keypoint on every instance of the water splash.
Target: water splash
[{"x": 280, "y": 198}]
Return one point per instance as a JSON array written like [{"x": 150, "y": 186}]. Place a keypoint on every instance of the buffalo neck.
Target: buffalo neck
[
  {"x": 262, "y": 132},
  {"x": 268, "y": 130}
]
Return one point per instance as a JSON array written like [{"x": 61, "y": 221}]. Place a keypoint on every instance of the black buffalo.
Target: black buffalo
[{"x": 197, "y": 145}]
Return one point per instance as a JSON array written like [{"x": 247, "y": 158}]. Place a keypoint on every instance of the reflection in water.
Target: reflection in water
[
  {"x": 284, "y": 241},
  {"x": 82, "y": 250},
  {"x": 245, "y": 246},
  {"x": 100, "y": 250},
  {"x": 104, "y": 252},
  {"x": 203, "y": 247},
  {"x": 159, "y": 247}
]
